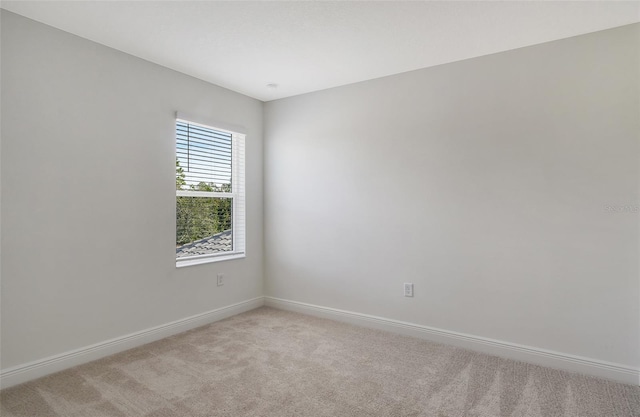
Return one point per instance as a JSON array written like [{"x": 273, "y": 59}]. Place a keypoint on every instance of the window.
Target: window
[{"x": 210, "y": 219}]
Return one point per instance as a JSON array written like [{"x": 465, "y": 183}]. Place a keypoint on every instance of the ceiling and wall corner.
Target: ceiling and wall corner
[{"x": 310, "y": 46}]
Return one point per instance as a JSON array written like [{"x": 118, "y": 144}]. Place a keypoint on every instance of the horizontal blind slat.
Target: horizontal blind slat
[{"x": 205, "y": 155}]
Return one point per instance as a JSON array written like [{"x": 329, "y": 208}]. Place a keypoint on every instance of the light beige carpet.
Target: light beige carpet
[{"x": 269, "y": 362}]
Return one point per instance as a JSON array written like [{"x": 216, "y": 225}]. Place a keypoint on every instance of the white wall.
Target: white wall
[
  {"x": 88, "y": 195},
  {"x": 484, "y": 182}
]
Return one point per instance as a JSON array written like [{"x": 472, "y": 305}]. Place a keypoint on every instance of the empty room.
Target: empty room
[{"x": 320, "y": 208}]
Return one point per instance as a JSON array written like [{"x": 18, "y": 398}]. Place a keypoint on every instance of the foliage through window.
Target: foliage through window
[{"x": 209, "y": 192}]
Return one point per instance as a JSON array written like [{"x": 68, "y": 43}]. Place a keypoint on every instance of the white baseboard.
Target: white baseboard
[
  {"x": 588, "y": 366},
  {"x": 32, "y": 370}
]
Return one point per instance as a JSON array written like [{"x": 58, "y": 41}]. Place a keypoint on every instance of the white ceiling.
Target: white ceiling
[{"x": 309, "y": 46}]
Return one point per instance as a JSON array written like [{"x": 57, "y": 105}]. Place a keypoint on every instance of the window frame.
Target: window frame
[{"x": 237, "y": 194}]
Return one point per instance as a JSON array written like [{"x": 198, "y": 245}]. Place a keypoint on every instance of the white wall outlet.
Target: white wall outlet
[
  {"x": 408, "y": 289},
  {"x": 220, "y": 279}
]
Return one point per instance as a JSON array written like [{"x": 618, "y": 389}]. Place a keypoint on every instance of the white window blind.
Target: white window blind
[{"x": 210, "y": 192}]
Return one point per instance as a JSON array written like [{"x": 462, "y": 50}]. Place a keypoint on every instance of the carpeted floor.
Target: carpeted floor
[{"x": 269, "y": 362}]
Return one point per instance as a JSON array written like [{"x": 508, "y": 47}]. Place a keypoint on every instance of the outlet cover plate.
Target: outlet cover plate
[{"x": 408, "y": 289}]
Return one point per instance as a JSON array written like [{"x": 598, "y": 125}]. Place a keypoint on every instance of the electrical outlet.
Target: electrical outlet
[
  {"x": 220, "y": 279},
  {"x": 408, "y": 289}
]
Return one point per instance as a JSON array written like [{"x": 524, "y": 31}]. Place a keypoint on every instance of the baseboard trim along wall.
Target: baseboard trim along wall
[
  {"x": 588, "y": 366},
  {"x": 36, "y": 369},
  {"x": 32, "y": 370}
]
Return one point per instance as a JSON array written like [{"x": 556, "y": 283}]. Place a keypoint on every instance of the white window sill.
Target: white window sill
[{"x": 209, "y": 259}]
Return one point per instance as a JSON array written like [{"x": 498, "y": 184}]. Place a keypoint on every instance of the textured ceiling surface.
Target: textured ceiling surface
[{"x": 309, "y": 46}]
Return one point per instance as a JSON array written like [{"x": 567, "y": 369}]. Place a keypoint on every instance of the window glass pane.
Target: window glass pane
[
  {"x": 203, "y": 156},
  {"x": 204, "y": 226}
]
